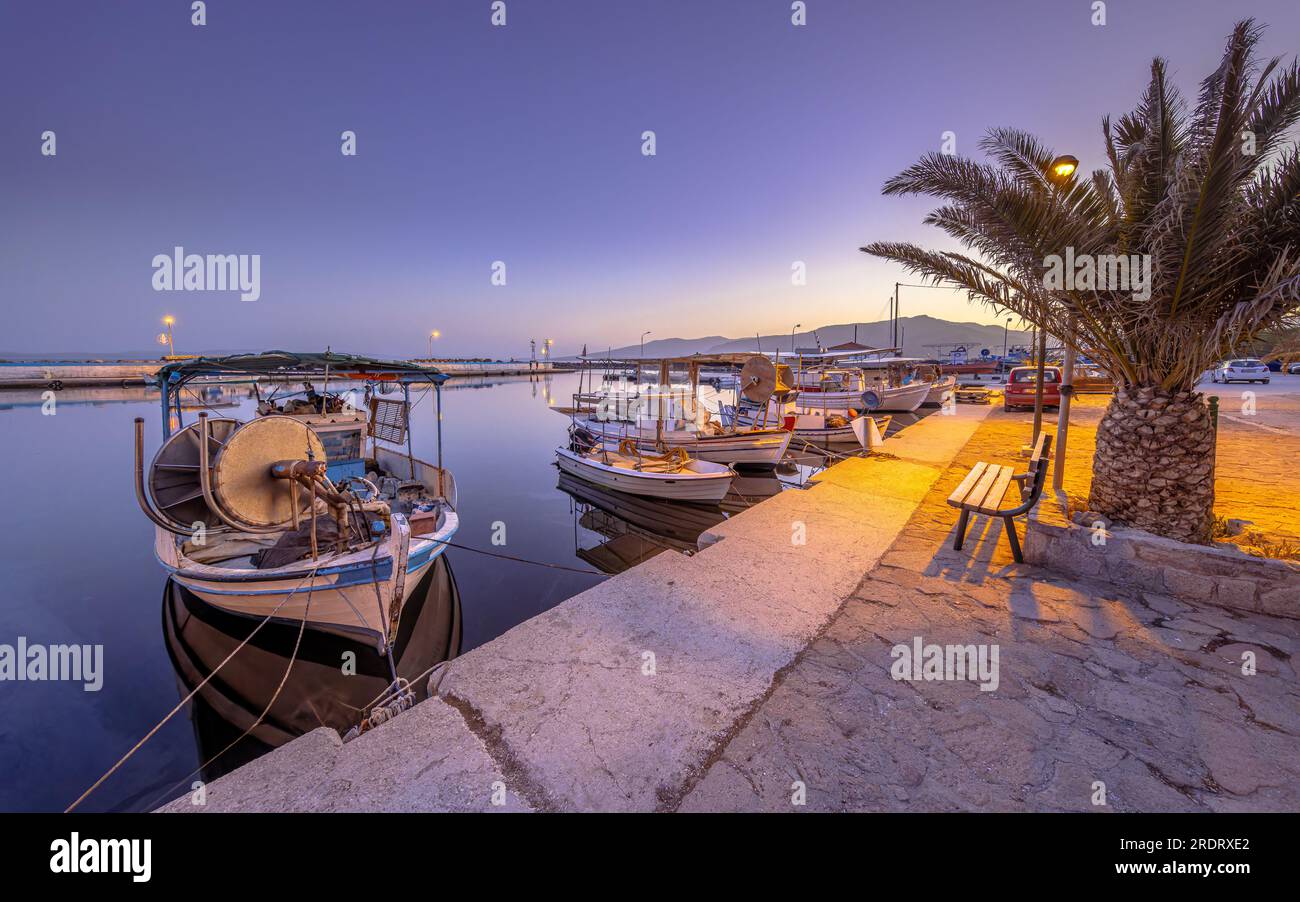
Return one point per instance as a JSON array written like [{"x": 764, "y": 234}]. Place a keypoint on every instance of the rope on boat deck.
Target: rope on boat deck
[{"x": 181, "y": 704}]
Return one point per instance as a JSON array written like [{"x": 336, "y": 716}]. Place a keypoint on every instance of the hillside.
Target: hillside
[{"x": 920, "y": 336}]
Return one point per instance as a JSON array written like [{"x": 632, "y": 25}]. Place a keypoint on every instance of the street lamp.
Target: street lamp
[
  {"x": 792, "y": 331},
  {"x": 643, "y": 335},
  {"x": 1063, "y": 167},
  {"x": 432, "y": 335},
  {"x": 1006, "y": 330},
  {"x": 168, "y": 321}
]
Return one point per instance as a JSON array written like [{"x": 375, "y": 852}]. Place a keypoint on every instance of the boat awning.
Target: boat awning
[{"x": 290, "y": 365}]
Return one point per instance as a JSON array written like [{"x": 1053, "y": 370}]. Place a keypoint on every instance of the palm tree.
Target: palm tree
[
  {"x": 1283, "y": 345},
  {"x": 1208, "y": 198}
]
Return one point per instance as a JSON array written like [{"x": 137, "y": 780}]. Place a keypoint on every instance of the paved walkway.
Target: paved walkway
[{"x": 1136, "y": 695}]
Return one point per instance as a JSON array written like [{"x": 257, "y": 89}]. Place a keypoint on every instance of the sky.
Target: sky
[{"x": 523, "y": 144}]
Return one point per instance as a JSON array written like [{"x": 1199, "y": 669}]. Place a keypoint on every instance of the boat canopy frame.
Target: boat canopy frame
[{"x": 288, "y": 366}]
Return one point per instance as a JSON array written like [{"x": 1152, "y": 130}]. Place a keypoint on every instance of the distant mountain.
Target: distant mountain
[
  {"x": 662, "y": 347},
  {"x": 922, "y": 336}
]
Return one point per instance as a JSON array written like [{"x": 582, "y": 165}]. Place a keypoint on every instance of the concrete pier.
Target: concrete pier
[{"x": 620, "y": 698}]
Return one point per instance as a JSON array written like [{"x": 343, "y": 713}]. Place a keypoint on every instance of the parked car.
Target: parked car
[
  {"x": 1019, "y": 391},
  {"x": 1242, "y": 369},
  {"x": 1294, "y": 369}
]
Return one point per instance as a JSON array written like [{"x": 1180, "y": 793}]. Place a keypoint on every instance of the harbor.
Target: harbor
[
  {"x": 584, "y": 411},
  {"x": 747, "y": 693}
]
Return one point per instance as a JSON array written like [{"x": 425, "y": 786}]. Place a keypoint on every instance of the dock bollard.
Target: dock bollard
[{"x": 1214, "y": 412}]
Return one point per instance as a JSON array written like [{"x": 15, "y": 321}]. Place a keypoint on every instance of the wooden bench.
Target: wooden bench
[{"x": 984, "y": 487}]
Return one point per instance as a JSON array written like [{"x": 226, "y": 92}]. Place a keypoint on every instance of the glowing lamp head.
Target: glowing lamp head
[
  {"x": 168, "y": 320},
  {"x": 1064, "y": 167}
]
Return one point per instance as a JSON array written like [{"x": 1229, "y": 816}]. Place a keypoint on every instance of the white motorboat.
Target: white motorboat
[
  {"x": 675, "y": 476},
  {"x": 762, "y": 447}
]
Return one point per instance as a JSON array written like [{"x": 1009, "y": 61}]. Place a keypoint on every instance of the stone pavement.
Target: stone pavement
[{"x": 1137, "y": 698}]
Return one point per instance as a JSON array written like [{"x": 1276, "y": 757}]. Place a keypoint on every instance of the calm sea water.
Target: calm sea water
[{"x": 77, "y": 567}]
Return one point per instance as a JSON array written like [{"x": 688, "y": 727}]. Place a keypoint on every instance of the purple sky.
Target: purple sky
[{"x": 523, "y": 144}]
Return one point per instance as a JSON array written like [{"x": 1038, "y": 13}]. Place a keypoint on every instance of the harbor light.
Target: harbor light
[
  {"x": 432, "y": 335},
  {"x": 1064, "y": 166},
  {"x": 168, "y": 320}
]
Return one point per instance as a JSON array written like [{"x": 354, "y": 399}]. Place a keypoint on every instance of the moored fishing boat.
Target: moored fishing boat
[
  {"x": 941, "y": 390},
  {"x": 754, "y": 447},
  {"x": 669, "y": 415},
  {"x": 674, "y": 476},
  {"x": 286, "y": 517}
]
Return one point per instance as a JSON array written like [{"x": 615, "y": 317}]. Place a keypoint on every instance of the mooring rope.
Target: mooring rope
[
  {"x": 524, "y": 560},
  {"x": 302, "y": 626},
  {"x": 181, "y": 704}
]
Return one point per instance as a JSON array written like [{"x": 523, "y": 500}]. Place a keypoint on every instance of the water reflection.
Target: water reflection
[
  {"x": 613, "y": 531},
  {"x": 331, "y": 683}
]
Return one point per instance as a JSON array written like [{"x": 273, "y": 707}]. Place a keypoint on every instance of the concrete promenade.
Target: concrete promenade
[
  {"x": 1108, "y": 698},
  {"x": 624, "y": 697}
]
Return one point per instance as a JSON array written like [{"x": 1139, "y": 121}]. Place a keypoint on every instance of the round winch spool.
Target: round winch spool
[
  {"x": 758, "y": 379},
  {"x": 174, "y": 473},
  {"x": 242, "y": 483}
]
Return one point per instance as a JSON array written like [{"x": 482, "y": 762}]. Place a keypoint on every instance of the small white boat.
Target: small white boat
[
  {"x": 825, "y": 429},
  {"x": 876, "y": 385},
  {"x": 941, "y": 390},
  {"x": 762, "y": 447},
  {"x": 680, "y": 478}
]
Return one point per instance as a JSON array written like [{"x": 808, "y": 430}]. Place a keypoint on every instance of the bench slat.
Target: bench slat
[
  {"x": 960, "y": 493},
  {"x": 993, "y": 499},
  {"x": 1036, "y": 458},
  {"x": 976, "y": 497}
]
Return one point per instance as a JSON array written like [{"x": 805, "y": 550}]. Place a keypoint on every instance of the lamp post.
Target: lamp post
[
  {"x": 168, "y": 321},
  {"x": 1062, "y": 170},
  {"x": 792, "y": 331},
  {"x": 643, "y": 335},
  {"x": 1006, "y": 330},
  {"x": 432, "y": 335}
]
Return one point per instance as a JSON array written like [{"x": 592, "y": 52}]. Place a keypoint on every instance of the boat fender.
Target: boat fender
[{"x": 870, "y": 400}]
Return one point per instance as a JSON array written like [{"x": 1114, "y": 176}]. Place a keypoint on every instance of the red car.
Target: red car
[{"x": 1020, "y": 387}]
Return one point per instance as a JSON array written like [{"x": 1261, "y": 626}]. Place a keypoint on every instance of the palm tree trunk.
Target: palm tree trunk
[{"x": 1154, "y": 463}]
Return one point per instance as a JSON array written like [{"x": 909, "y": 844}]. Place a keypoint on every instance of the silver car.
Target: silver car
[{"x": 1244, "y": 369}]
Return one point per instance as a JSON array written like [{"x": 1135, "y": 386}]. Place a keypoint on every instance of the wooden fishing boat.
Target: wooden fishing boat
[
  {"x": 675, "y": 476},
  {"x": 826, "y": 429},
  {"x": 869, "y": 385},
  {"x": 941, "y": 391},
  {"x": 286, "y": 516},
  {"x": 670, "y": 415},
  {"x": 755, "y": 447}
]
